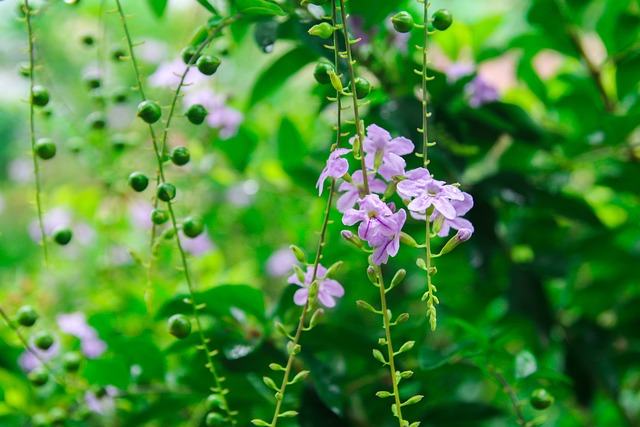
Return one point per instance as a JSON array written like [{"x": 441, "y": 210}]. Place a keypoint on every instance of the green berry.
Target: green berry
[
  {"x": 92, "y": 81},
  {"x": 159, "y": 216},
  {"x": 402, "y": 22},
  {"x": 43, "y": 340},
  {"x": 196, "y": 114},
  {"x": 57, "y": 416},
  {"x": 40, "y": 96},
  {"x": 40, "y": 420},
  {"x": 119, "y": 142},
  {"x": 180, "y": 155},
  {"x": 188, "y": 55},
  {"x": 179, "y": 326},
  {"x": 149, "y": 111},
  {"x": 138, "y": 181},
  {"x": 541, "y": 399},
  {"x": 71, "y": 361},
  {"x": 323, "y": 30},
  {"x": 166, "y": 192},
  {"x": 87, "y": 40},
  {"x": 214, "y": 419},
  {"x": 96, "y": 120},
  {"x": 214, "y": 402},
  {"x": 321, "y": 72},
  {"x": 117, "y": 53},
  {"x": 442, "y": 19},
  {"x": 26, "y": 316},
  {"x": 38, "y": 376},
  {"x": 45, "y": 148},
  {"x": 192, "y": 226},
  {"x": 208, "y": 64},
  {"x": 74, "y": 144},
  {"x": 62, "y": 235},
  {"x": 120, "y": 94},
  {"x": 363, "y": 87},
  {"x": 24, "y": 69}
]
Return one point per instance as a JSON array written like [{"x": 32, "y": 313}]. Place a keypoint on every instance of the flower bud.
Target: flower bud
[
  {"x": 408, "y": 240},
  {"x": 372, "y": 275},
  {"x": 299, "y": 273},
  {"x": 352, "y": 238},
  {"x": 437, "y": 224},
  {"x": 313, "y": 292},
  {"x": 335, "y": 81},
  {"x": 400, "y": 274},
  {"x": 462, "y": 235},
  {"x": 323, "y": 30},
  {"x": 297, "y": 252},
  {"x": 333, "y": 269}
]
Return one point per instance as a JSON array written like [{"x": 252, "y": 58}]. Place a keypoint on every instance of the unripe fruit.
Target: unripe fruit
[
  {"x": 192, "y": 226},
  {"x": 43, "y": 340},
  {"x": 138, "y": 181},
  {"x": 180, "y": 155},
  {"x": 321, "y": 72},
  {"x": 402, "y": 22},
  {"x": 188, "y": 55},
  {"x": 71, "y": 361},
  {"x": 179, "y": 326},
  {"x": 214, "y": 419},
  {"x": 363, "y": 87},
  {"x": 196, "y": 114},
  {"x": 26, "y": 316},
  {"x": 159, "y": 216},
  {"x": 92, "y": 81},
  {"x": 62, "y": 235},
  {"x": 166, "y": 192},
  {"x": 87, "y": 40},
  {"x": 120, "y": 94},
  {"x": 119, "y": 142},
  {"x": 541, "y": 398},
  {"x": 40, "y": 96},
  {"x": 117, "y": 53},
  {"x": 208, "y": 64},
  {"x": 323, "y": 30},
  {"x": 38, "y": 377},
  {"x": 214, "y": 402},
  {"x": 96, "y": 120},
  {"x": 57, "y": 416},
  {"x": 45, "y": 148},
  {"x": 442, "y": 19},
  {"x": 149, "y": 111}
]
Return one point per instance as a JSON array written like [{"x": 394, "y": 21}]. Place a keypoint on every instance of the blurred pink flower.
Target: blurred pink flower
[
  {"x": 220, "y": 116},
  {"x": 104, "y": 403},
  {"x": 168, "y": 75},
  {"x": 199, "y": 245},
  {"x": 281, "y": 262},
  {"x": 28, "y": 361},
  {"x": 76, "y": 324}
]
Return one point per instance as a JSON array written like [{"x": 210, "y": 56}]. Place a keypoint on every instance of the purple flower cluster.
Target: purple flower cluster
[{"x": 328, "y": 289}]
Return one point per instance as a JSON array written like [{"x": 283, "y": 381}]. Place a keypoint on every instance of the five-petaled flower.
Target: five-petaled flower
[
  {"x": 354, "y": 190},
  {"x": 426, "y": 192},
  {"x": 336, "y": 167},
  {"x": 328, "y": 289},
  {"x": 382, "y": 153}
]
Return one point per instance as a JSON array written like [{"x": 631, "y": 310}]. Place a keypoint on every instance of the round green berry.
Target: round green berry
[
  {"x": 138, "y": 181},
  {"x": 180, "y": 155},
  {"x": 159, "y": 216},
  {"x": 87, "y": 40},
  {"x": 363, "y": 87},
  {"x": 214, "y": 402},
  {"x": 97, "y": 120},
  {"x": 208, "y": 64},
  {"x": 149, "y": 111},
  {"x": 26, "y": 316},
  {"x": 119, "y": 142},
  {"x": 193, "y": 226},
  {"x": 43, "y": 340},
  {"x": 62, "y": 235},
  {"x": 74, "y": 144},
  {"x": 541, "y": 399},
  {"x": 38, "y": 376},
  {"x": 402, "y": 22},
  {"x": 92, "y": 81},
  {"x": 179, "y": 326},
  {"x": 442, "y": 19},
  {"x": 188, "y": 55},
  {"x": 40, "y": 96},
  {"x": 71, "y": 361},
  {"x": 118, "y": 54},
  {"x": 321, "y": 72},
  {"x": 214, "y": 419},
  {"x": 120, "y": 94},
  {"x": 57, "y": 416},
  {"x": 196, "y": 114},
  {"x": 45, "y": 148},
  {"x": 166, "y": 192}
]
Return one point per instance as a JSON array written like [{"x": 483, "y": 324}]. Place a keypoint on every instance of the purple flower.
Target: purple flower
[
  {"x": 353, "y": 192},
  {"x": 426, "y": 192},
  {"x": 28, "y": 361},
  {"x": 480, "y": 92},
  {"x": 198, "y": 245},
  {"x": 328, "y": 289},
  {"x": 220, "y": 116},
  {"x": 458, "y": 70},
  {"x": 382, "y": 153},
  {"x": 388, "y": 244},
  {"x": 462, "y": 207},
  {"x": 76, "y": 324},
  {"x": 280, "y": 262},
  {"x": 336, "y": 167},
  {"x": 103, "y": 404},
  {"x": 168, "y": 75},
  {"x": 375, "y": 217}
]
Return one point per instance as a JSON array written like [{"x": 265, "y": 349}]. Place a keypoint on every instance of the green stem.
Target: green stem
[
  {"x": 511, "y": 392},
  {"x": 387, "y": 330},
  {"x": 32, "y": 131}
]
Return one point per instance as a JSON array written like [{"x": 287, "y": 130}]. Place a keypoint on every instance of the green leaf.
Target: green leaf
[
  {"x": 208, "y": 6},
  {"x": 288, "y": 414},
  {"x": 259, "y": 423},
  {"x": 158, "y": 7},
  {"x": 258, "y": 7},
  {"x": 239, "y": 148},
  {"x": 279, "y": 72}
]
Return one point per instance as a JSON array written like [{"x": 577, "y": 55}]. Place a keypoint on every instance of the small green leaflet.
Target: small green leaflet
[
  {"x": 158, "y": 7},
  {"x": 208, "y": 6},
  {"x": 258, "y": 7}
]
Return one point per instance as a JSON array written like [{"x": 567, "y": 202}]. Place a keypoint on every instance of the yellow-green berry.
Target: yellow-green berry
[
  {"x": 40, "y": 96},
  {"x": 192, "y": 226}
]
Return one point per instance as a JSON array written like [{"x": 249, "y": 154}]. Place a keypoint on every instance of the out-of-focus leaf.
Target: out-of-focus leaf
[
  {"x": 258, "y": 7},
  {"x": 164, "y": 408},
  {"x": 266, "y": 34},
  {"x": 292, "y": 151},
  {"x": 525, "y": 364},
  {"x": 158, "y": 7},
  {"x": 208, "y": 6},
  {"x": 108, "y": 371},
  {"x": 618, "y": 25},
  {"x": 627, "y": 72},
  {"x": 239, "y": 148},
  {"x": 442, "y": 414}
]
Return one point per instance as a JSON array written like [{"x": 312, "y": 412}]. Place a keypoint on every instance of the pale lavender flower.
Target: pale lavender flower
[
  {"x": 21, "y": 170},
  {"x": 243, "y": 194},
  {"x": 103, "y": 404},
  {"x": 480, "y": 92},
  {"x": 168, "y": 75},
  {"x": 328, "y": 289},
  {"x": 359, "y": 32},
  {"x": 56, "y": 217},
  {"x": 457, "y": 223},
  {"x": 220, "y": 116},
  {"x": 388, "y": 244},
  {"x": 140, "y": 214},
  {"x": 28, "y": 361},
  {"x": 383, "y": 152},
  {"x": 426, "y": 192},
  {"x": 199, "y": 245},
  {"x": 352, "y": 191},
  {"x": 76, "y": 324},
  {"x": 93, "y": 347},
  {"x": 336, "y": 167},
  {"x": 281, "y": 262},
  {"x": 457, "y": 70},
  {"x": 373, "y": 215}
]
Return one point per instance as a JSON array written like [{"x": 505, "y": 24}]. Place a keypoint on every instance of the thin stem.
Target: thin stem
[
  {"x": 425, "y": 113},
  {"x": 511, "y": 392},
  {"x": 352, "y": 75},
  {"x": 387, "y": 330},
  {"x": 32, "y": 131}
]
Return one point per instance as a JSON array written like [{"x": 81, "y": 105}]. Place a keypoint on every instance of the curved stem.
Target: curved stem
[
  {"x": 32, "y": 132},
  {"x": 512, "y": 394}
]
